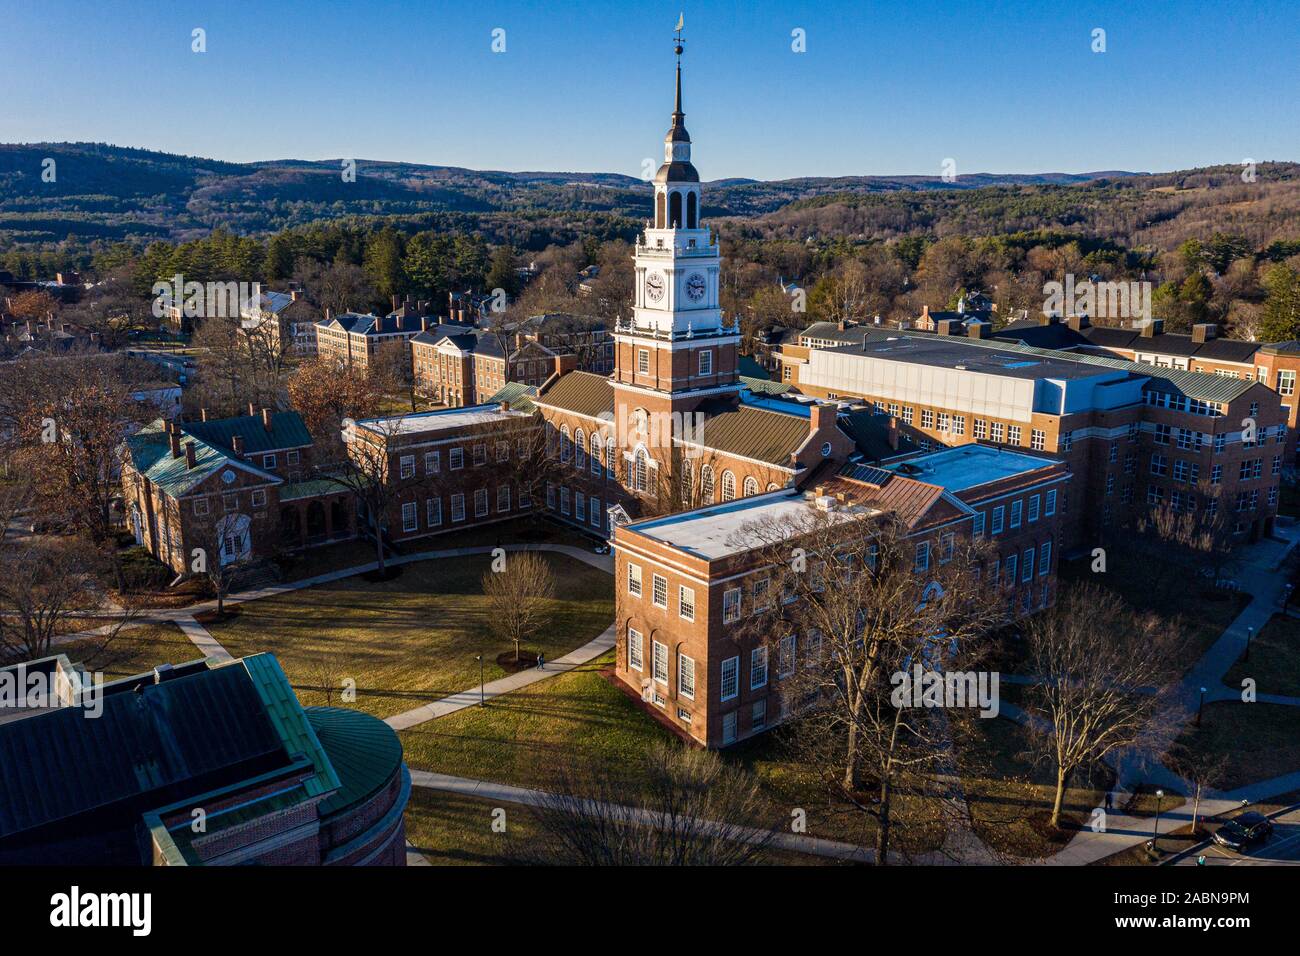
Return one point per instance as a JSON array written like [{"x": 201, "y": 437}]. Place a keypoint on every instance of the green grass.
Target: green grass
[
  {"x": 1274, "y": 662},
  {"x": 410, "y": 640},
  {"x": 1201, "y": 614},
  {"x": 528, "y": 736},
  {"x": 134, "y": 650},
  {"x": 1256, "y": 741},
  {"x": 451, "y": 829}
]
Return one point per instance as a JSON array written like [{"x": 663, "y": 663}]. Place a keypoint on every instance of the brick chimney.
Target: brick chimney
[
  {"x": 191, "y": 457},
  {"x": 821, "y": 418},
  {"x": 266, "y": 419},
  {"x": 174, "y": 439},
  {"x": 424, "y": 323},
  {"x": 505, "y": 407},
  {"x": 978, "y": 330},
  {"x": 203, "y": 414},
  {"x": 565, "y": 363},
  {"x": 1152, "y": 328},
  {"x": 1204, "y": 331},
  {"x": 237, "y": 445},
  {"x": 1048, "y": 318},
  {"x": 947, "y": 326},
  {"x": 1079, "y": 322},
  {"x": 893, "y": 432},
  {"x": 252, "y": 408}
]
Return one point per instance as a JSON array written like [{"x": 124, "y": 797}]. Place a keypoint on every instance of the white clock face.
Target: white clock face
[
  {"x": 695, "y": 287},
  {"x": 654, "y": 286}
]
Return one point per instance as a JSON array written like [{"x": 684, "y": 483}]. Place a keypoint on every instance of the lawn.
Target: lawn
[
  {"x": 451, "y": 829},
  {"x": 1256, "y": 741},
  {"x": 134, "y": 650},
  {"x": 1202, "y": 614},
  {"x": 409, "y": 640},
  {"x": 527, "y": 737},
  {"x": 1274, "y": 662}
]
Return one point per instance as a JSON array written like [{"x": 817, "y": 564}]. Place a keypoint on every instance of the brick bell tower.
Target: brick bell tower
[{"x": 676, "y": 351}]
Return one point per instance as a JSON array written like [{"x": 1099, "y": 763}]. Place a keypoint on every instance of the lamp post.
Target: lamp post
[
  {"x": 482, "y": 699},
  {"x": 1155, "y": 833},
  {"x": 1250, "y": 632},
  {"x": 1200, "y": 707}
]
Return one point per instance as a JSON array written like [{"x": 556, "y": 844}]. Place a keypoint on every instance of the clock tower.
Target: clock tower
[{"x": 676, "y": 350}]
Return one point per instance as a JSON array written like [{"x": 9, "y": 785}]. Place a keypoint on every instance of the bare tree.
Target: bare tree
[
  {"x": 519, "y": 596},
  {"x": 43, "y": 586},
  {"x": 867, "y": 599},
  {"x": 1095, "y": 661},
  {"x": 1203, "y": 769},
  {"x": 686, "y": 808},
  {"x": 221, "y": 556}
]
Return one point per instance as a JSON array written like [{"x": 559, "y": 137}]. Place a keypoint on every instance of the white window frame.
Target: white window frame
[{"x": 732, "y": 665}]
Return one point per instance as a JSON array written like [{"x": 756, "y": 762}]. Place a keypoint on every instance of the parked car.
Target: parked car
[{"x": 1244, "y": 831}]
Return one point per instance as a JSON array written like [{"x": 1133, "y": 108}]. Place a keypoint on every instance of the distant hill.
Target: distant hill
[
  {"x": 121, "y": 193},
  {"x": 118, "y": 192}
]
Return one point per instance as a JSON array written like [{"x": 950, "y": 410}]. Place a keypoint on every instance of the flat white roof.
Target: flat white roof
[
  {"x": 417, "y": 422},
  {"x": 966, "y": 466},
  {"x": 720, "y": 531}
]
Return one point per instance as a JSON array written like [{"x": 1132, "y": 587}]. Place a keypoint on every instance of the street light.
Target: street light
[
  {"x": 1155, "y": 834},
  {"x": 1250, "y": 632},
  {"x": 1200, "y": 707},
  {"x": 482, "y": 699}
]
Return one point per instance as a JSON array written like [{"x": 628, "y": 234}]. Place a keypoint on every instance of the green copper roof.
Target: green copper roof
[
  {"x": 289, "y": 719},
  {"x": 519, "y": 396},
  {"x": 764, "y": 386},
  {"x": 150, "y": 454},
  {"x": 287, "y": 431},
  {"x": 364, "y": 751}
]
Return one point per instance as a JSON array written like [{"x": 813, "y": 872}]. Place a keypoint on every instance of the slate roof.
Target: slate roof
[
  {"x": 583, "y": 393},
  {"x": 870, "y": 432},
  {"x": 287, "y": 431}
]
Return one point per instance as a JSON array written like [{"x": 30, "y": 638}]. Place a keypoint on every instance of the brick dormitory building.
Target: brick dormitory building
[{"x": 243, "y": 484}]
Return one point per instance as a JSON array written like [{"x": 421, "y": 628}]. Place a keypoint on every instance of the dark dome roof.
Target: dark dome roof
[
  {"x": 677, "y": 173},
  {"x": 677, "y": 134}
]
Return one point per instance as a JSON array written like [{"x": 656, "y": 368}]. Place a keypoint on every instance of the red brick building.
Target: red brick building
[{"x": 683, "y": 582}]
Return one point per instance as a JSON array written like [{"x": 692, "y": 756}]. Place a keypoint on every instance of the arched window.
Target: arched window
[
  {"x": 580, "y": 449},
  {"x": 566, "y": 443},
  {"x": 773, "y": 486},
  {"x": 597, "y": 453},
  {"x": 728, "y": 486},
  {"x": 640, "y": 472},
  {"x": 659, "y": 211},
  {"x": 609, "y": 459},
  {"x": 691, "y": 221},
  {"x": 751, "y": 486},
  {"x": 706, "y": 483},
  {"x": 675, "y": 210},
  {"x": 688, "y": 483}
]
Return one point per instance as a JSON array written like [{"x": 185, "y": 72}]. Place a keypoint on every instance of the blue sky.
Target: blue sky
[{"x": 885, "y": 87}]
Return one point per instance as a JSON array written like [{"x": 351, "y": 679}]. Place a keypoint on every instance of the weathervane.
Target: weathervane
[{"x": 677, "y": 34}]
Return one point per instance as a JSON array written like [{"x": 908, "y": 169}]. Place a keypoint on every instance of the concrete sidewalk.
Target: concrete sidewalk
[
  {"x": 505, "y": 793},
  {"x": 503, "y": 685}
]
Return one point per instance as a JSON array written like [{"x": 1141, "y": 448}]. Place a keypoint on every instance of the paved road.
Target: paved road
[{"x": 1281, "y": 849}]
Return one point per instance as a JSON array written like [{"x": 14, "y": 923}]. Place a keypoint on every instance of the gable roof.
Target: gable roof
[
  {"x": 287, "y": 431},
  {"x": 749, "y": 432},
  {"x": 519, "y": 395},
  {"x": 583, "y": 393},
  {"x": 149, "y": 451}
]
